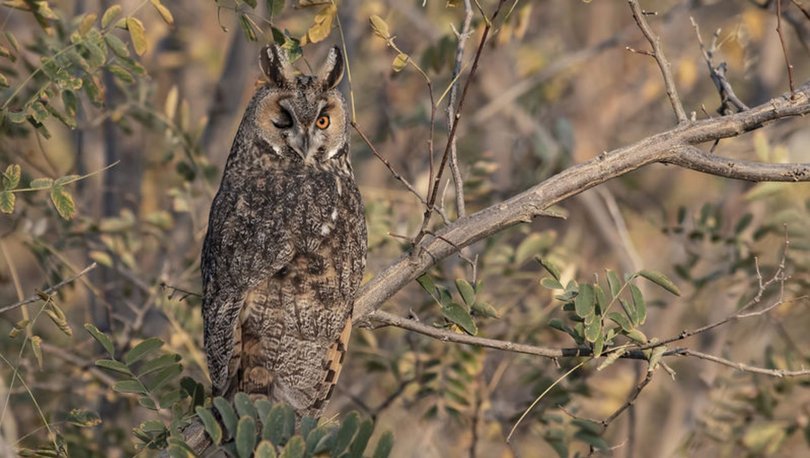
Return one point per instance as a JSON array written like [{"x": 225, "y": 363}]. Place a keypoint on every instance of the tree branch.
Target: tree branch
[
  {"x": 692, "y": 157},
  {"x": 37, "y": 297},
  {"x": 781, "y": 373},
  {"x": 674, "y": 146},
  {"x": 661, "y": 59}
]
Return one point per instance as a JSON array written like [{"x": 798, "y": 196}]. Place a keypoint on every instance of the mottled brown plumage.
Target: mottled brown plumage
[{"x": 286, "y": 243}]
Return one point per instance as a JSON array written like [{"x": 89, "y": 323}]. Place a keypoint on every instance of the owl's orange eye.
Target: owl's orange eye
[{"x": 322, "y": 122}]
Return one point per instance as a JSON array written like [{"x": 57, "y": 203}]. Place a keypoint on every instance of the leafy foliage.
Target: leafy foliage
[{"x": 262, "y": 429}]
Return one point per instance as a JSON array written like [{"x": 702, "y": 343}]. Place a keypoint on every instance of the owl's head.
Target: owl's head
[{"x": 303, "y": 117}]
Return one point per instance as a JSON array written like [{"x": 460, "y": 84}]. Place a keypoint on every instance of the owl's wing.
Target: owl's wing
[{"x": 240, "y": 249}]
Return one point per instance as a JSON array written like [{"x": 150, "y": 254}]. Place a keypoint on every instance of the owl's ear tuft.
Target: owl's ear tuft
[
  {"x": 274, "y": 64},
  {"x": 332, "y": 70}
]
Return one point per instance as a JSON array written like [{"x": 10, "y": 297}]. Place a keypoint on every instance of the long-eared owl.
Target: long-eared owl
[{"x": 286, "y": 242}]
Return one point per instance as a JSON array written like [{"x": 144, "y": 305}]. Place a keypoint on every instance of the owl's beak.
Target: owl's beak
[{"x": 301, "y": 145}]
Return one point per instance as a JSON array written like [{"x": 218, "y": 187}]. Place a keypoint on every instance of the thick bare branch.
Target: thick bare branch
[
  {"x": 692, "y": 157},
  {"x": 671, "y": 147}
]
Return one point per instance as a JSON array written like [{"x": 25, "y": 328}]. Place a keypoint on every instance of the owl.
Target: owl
[{"x": 286, "y": 243}]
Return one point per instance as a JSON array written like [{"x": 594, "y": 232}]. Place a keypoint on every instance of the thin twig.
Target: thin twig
[
  {"x": 37, "y": 297},
  {"x": 781, "y": 373},
  {"x": 451, "y": 119},
  {"x": 762, "y": 286},
  {"x": 718, "y": 75},
  {"x": 802, "y": 8},
  {"x": 784, "y": 47},
  {"x": 660, "y": 58},
  {"x": 663, "y": 147},
  {"x": 438, "y": 177},
  {"x": 391, "y": 169}
]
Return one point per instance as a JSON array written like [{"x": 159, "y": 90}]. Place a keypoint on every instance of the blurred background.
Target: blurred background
[{"x": 556, "y": 86}]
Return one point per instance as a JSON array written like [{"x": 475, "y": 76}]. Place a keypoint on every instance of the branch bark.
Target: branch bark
[{"x": 676, "y": 146}]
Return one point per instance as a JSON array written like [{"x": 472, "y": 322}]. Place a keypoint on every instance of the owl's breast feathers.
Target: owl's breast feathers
[{"x": 282, "y": 261}]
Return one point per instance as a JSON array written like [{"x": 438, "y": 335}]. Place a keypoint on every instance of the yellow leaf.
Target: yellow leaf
[
  {"x": 322, "y": 25},
  {"x": 137, "y": 34},
  {"x": 380, "y": 27},
  {"x": 36, "y": 345},
  {"x": 164, "y": 12},
  {"x": 171, "y": 103},
  {"x": 87, "y": 23},
  {"x": 400, "y": 62},
  {"x": 109, "y": 15}
]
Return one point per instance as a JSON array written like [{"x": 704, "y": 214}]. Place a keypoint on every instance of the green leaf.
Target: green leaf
[
  {"x": 551, "y": 283},
  {"x": 318, "y": 439},
  {"x": 549, "y": 266},
  {"x": 400, "y": 62},
  {"x": 121, "y": 73},
  {"x": 743, "y": 223},
  {"x": 348, "y": 428},
  {"x": 158, "y": 363},
  {"x": 119, "y": 48},
  {"x": 426, "y": 282},
  {"x": 621, "y": 320},
  {"x": 63, "y": 202},
  {"x": 142, "y": 349},
  {"x": 308, "y": 424},
  {"x": 599, "y": 344},
  {"x": 7, "y": 201},
  {"x": 593, "y": 330},
  {"x": 661, "y": 280},
  {"x": 265, "y": 450},
  {"x": 584, "y": 302},
  {"x": 639, "y": 305},
  {"x": 247, "y": 27},
  {"x": 100, "y": 337},
  {"x": 169, "y": 398},
  {"x": 137, "y": 34},
  {"x": 227, "y": 414},
  {"x": 614, "y": 283},
  {"x": 458, "y": 315},
  {"x": 147, "y": 402},
  {"x": 114, "y": 365},
  {"x": 384, "y": 445},
  {"x": 466, "y": 290},
  {"x": 630, "y": 311},
  {"x": 601, "y": 298},
  {"x": 484, "y": 309},
  {"x": 296, "y": 448},
  {"x": 164, "y": 376},
  {"x": 11, "y": 178},
  {"x": 360, "y": 442},
  {"x": 280, "y": 424},
  {"x": 380, "y": 27},
  {"x": 245, "y": 437},
  {"x": 637, "y": 336},
  {"x": 130, "y": 386},
  {"x": 274, "y": 7},
  {"x": 110, "y": 15},
  {"x": 244, "y": 406},
  {"x": 263, "y": 408}
]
